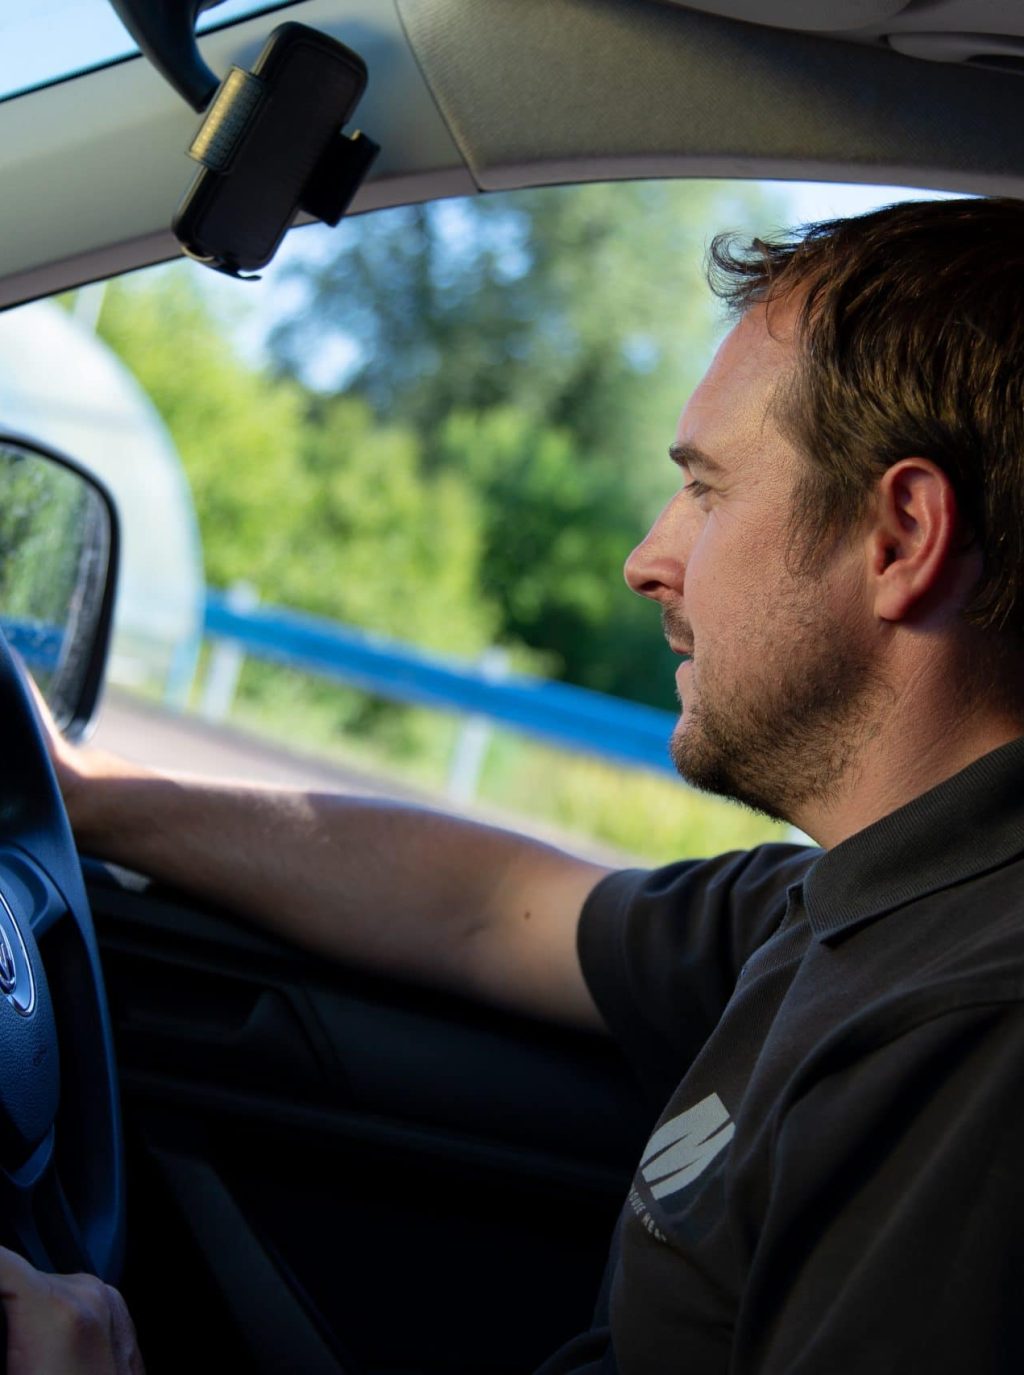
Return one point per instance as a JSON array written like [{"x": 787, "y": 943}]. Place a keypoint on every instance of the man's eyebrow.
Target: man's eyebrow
[{"x": 689, "y": 456}]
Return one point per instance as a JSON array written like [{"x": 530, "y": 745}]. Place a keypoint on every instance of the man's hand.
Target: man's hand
[
  {"x": 60, "y": 751},
  {"x": 64, "y": 1324},
  {"x": 75, "y": 765}
]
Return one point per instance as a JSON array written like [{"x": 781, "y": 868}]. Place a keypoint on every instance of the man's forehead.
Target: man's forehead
[{"x": 738, "y": 389}]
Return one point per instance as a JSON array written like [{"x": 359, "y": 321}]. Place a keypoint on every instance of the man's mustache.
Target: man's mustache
[{"x": 676, "y": 628}]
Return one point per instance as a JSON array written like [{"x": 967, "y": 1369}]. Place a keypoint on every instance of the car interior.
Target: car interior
[{"x": 285, "y": 1165}]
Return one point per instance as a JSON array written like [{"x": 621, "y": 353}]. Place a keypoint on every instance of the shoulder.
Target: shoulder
[
  {"x": 745, "y": 889},
  {"x": 661, "y": 949}
]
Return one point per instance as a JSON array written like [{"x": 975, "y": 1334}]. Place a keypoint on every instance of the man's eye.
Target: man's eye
[{"x": 696, "y": 488}]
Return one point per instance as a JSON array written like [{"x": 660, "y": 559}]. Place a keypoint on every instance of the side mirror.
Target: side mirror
[{"x": 58, "y": 574}]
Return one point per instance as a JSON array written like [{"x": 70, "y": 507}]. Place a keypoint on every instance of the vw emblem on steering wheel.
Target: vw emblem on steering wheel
[
  {"x": 17, "y": 981},
  {"x": 8, "y": 969}
]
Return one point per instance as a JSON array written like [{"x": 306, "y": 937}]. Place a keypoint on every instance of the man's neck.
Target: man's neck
[{"x": 916, "y": 746}]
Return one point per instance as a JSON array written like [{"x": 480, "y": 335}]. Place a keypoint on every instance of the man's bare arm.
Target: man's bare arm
[{"x": 397, "y": 889}]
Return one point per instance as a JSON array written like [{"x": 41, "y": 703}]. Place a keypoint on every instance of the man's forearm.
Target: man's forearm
[{"x": 399, "y": 889}]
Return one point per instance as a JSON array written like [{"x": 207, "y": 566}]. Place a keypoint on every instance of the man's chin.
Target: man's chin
[
  {"x": 712, "y": 769},
  {"x": 686, "y": 753}
]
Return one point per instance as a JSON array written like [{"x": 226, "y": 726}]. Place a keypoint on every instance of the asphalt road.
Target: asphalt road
[{"x": 147, "y": 734}]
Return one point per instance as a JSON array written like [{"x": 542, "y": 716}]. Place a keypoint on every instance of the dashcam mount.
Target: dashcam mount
[{"x": 272, "y": 145}]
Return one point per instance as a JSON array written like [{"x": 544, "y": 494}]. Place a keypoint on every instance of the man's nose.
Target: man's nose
[{"x": 656, "y": 568}]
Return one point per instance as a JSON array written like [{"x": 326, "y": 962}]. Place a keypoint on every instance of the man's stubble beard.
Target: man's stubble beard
[{"x": 789, "y": 736}]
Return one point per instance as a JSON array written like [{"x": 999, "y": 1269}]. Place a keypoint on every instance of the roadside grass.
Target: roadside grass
[{"x": 652, "y": 816}]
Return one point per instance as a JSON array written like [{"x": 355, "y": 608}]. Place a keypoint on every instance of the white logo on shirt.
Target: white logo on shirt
[{"x": 683, "y": 1148}]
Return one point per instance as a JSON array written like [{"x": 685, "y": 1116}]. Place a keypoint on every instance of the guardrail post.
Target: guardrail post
[
  {"x": 181, "y": 671},
  {"x": 473, "y": 739},
  {"x": 226, "y": 660}
]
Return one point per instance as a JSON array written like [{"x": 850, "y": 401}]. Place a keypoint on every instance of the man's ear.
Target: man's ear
[{"x": 912, "y": 542}]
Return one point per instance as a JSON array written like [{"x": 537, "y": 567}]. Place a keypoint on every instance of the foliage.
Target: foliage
[
  {"x": 645, "y": 816},
  {"x": 555, "y": 534},
  {"x": 312, "y": 501},
  {"x": 539, "y": 344},
  {"x": 585, "y": 307}
]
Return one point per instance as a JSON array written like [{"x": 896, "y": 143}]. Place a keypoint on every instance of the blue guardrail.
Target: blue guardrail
[{"x": 575, "y": 718}]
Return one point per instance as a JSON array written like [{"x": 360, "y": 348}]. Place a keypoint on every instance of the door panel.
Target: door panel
[{"x": 345, "y": 1171}]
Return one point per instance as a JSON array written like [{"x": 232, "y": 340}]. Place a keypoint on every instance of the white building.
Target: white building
[{"x": 62, "y": 385}]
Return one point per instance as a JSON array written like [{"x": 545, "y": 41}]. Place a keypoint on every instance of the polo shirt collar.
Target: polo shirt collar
[{"x": 972, "y": 822}]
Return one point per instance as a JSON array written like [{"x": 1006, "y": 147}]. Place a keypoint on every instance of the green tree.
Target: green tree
[
  {"x": 583, "y": 306},
  {"x": 313, "y": 501},
  {"x": 240, "y": 440},
  {"x": 555, "y": 531},
  {"x": 385, "y": 544}
]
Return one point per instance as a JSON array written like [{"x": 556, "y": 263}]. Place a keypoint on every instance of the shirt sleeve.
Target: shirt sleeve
[
  {"x": 894, "y": 1235},
  {"x": 661, "y": 950}
]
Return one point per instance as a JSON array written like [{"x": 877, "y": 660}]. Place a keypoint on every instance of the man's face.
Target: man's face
[{"x": 776, "y": 683}]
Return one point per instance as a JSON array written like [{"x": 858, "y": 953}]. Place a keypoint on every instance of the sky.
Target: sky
[
  {"x": 41, "y": 40},
  {"x": 810, "y": 200}
]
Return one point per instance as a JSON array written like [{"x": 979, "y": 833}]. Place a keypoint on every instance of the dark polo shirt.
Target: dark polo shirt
[{"x": 837, "y": 1182}]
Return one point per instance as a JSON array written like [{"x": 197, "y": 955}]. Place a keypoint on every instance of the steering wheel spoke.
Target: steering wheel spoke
[{"x": 41, "y": 1222}]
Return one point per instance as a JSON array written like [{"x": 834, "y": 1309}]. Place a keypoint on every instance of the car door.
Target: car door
[{"x": 329, "y": 1171}]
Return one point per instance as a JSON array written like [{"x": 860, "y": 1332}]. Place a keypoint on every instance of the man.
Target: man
[{"x": 833, "y": 1185}]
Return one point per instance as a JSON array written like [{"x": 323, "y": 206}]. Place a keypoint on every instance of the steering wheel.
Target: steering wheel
[{"x": 61, "y": 1150}]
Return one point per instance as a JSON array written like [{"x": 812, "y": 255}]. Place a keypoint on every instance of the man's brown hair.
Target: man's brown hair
[{"x": 910, "y": 338}]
